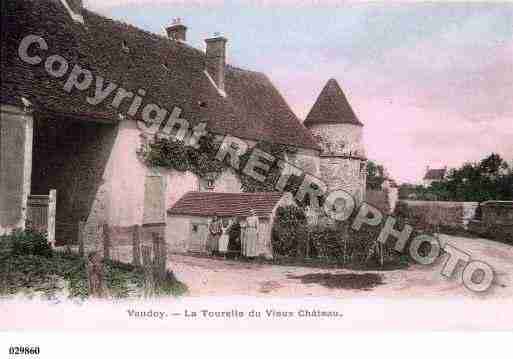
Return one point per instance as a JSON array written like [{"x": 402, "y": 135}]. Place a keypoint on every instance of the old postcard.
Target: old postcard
[{"x": 223, "y": 165}]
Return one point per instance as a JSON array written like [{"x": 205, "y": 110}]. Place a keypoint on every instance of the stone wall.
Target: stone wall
[
  {"x": 495, "y": 221},
  {"x": 178, "y": 232},
  {"x": 455, "y": 215},
  {"x": 380, "y": 200},
  {"x": 307, "y": 160},
  {"x": 342, "y": 160},
  {"x": 340, "y": 139},
  {"x": 178, "y": 184},
  {"x": 347, "y": 174},
  {"x": 497, "y": 212},
  {"x": 16, "y": 131},
  {"x": 228, "y": 181}
]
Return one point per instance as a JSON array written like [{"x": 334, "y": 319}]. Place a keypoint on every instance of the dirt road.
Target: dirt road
[{"x": 214, "y": 277}]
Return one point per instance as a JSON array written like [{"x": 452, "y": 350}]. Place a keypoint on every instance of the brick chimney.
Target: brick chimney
[
  {"x": 216, "y": 59},
  {"x": 177, "y": 31}
]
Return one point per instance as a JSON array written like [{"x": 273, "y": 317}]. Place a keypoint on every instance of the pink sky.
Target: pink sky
[{"x": 432, "y": 82}]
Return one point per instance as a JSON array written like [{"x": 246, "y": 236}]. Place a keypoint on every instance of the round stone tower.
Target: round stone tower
[{"x": 343, "y": 162}]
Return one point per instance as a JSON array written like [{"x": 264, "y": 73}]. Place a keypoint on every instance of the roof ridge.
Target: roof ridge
[
  {"x": 170, "y": 72},
  {"x": 147, "y": 32}
]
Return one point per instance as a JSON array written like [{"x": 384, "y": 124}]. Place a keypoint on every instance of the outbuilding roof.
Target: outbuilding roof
[
  {"x": 171, "y": 73},
  {"x": 207, "y": 204}
]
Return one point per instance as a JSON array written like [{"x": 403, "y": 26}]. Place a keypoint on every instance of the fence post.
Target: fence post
[
  {"x": 136, "y": 245},
  {"x": 106, "y": 241},
  {"x": 81, "y": 234},
  {"x": 156, "y": 259},
  {"x": 52, "y": 205},
  {"x": 148, "y": 271},
  {"x": 95, "y": 275}
]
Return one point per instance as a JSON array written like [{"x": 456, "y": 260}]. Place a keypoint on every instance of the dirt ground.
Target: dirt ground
[{"x": 217, "y": 277}]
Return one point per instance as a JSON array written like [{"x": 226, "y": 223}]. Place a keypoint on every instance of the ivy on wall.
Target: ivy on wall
[{"x": 202, "y": 162}]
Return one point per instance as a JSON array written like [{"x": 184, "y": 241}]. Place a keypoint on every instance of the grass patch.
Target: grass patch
[
  {"x": 395, "y": 263},
  {"x": 48, "y": 272}
]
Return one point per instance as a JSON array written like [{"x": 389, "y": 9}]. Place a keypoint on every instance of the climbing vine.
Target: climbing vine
[{"x": 173, "y": 154}]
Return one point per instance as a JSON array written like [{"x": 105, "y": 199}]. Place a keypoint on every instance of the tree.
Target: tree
[
  {"x": 493, "y": 165},
  {"x": 489, "y": 179}
]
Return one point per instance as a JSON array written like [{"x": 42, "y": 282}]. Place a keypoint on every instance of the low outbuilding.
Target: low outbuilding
[{"x": 188, "y": 220}]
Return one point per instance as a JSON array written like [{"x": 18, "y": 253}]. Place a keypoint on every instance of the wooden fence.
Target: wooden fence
[{"x": 41, "y": 214}]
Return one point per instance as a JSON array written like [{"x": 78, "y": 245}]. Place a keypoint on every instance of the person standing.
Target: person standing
[
  {"x": 214, "y": 232},
  {"x": 252, "y": 227},
  {"x": 234, "y": 238},
  {"x": 312, "y": 220},
  {"x": 223, "y": 240}
]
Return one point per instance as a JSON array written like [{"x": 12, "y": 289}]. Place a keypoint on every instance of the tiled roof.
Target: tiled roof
[
  {"x": 435, "y": 174},
  {"x": 331, "y": 107},
  {"x": 171, "y": 73},
  {"x": 226, "y": 204}
]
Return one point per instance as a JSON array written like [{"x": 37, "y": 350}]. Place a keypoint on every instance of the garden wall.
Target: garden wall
[
  {"x": 454, "y": 215},
  {"x": 495, "y": 221},
  {"x": 379, "y": 199}
]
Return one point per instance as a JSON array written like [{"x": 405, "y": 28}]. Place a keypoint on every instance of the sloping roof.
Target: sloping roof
[
  {"x": 435, "y": 174},
  {"x": 226, "y": 204},
  {"x": 331, "y": 107},
  {"x": 171, "y": 73}
]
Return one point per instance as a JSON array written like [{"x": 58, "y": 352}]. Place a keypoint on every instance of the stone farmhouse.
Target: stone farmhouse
[{"x": 56, "y": 137}]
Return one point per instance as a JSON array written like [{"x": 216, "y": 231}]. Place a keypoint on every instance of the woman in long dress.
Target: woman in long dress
[
  {"x": 243, "y": 238},
  {"x": 215, "y": 230},
  {"x": 251, "y": 237},
  {"x": 224, "y": 239}
]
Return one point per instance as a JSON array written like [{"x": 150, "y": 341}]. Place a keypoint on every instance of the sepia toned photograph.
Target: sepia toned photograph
[{"x": 223, "y": 165}]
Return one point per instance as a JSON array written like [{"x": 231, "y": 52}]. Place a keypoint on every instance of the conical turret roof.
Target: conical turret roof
[{"x": 331, "y": 107}]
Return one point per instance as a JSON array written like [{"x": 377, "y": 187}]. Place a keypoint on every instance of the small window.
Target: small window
[
  {"x": 194, "y": 228},
  {"x": 125, "y": 47}
]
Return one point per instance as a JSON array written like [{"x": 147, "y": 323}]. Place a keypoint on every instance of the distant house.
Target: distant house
[{"x": 434, "y": 175}]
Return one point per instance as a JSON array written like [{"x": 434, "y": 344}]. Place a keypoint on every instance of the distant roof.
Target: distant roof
[
  {"x": 435, "y": 174},
  {"x": 226, "y": 204},
  {"x": 331, "y": 106},
  {"x": 171, "y": 73}
]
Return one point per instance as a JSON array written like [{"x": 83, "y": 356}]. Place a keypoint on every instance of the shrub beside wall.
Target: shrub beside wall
[{"x": 333, "y": 243}]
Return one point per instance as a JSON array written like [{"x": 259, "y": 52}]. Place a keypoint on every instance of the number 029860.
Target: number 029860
[{"x": 24, "y": 350}]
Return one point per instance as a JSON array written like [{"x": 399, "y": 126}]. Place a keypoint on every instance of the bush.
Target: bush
[
  {"x": 340, "y": 243},
  {"x": 27, "y": 242},
  {"x": 289, "y": 235},
  {"x": 333, "y": 243}
]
